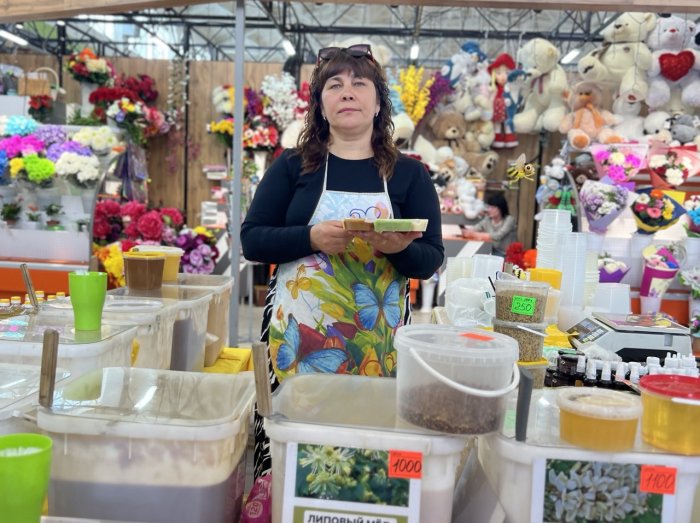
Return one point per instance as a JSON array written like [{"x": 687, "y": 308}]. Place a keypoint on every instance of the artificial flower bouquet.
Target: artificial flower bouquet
[
  {"x": 101, "y": 140},
  {"x": 610, "y": 270},
  {"x": 655, "y": 210},
  {"x": 692, "y": 209},
  {"x": 694, "y": 325},
  {"x": 129, "y": 116},
  {"x": 34, "y": 169},
  {"x": 660, "y": 268},
  {"x": 223, "y": 130},
  {"x": 619, "y": 162},
  {"x": 102, "y": 97},
  {"x": 40, "y": 107},
  {"x": 200, "y": 251},
  {"x": 17, "y": 125},
  {"x": 87, "y": 67},
  {"x": 222, "y": 98},
  {"x": 691, "y": 278},
  {"x": 282, "y": 102},
  {"x": 260, "y": 134},
  {"x": 143, "y": 85},
  {"x": 80, "y": 170},
  {"x": 602, "y": 203},
  {"x": 414, "y": 92},
  {"x": 670, "y": 166}
]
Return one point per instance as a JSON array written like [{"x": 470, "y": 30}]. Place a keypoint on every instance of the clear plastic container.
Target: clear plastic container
[
  {"x": 454, "y": 380},
  {"x": 671, "y": 412},
  {"x": 190, "y": 327},
  {"x": 358, "y": 411},
  {"x": 143, "y": 270},
  {"x": 521, "y": 301},
  {"x": 530, "y": 345},
  {"x": 19, "y": 392},
  {"x": 172, "y": 258},
  {"x": 21, "y": 341},
  {"x": 149, "y": 445},
  {"x": 517, "y": 469},
  {"x": 538, "y": 369},
  {"x": 217, "y": 319},
  {"x": 598, "y": 419},
  {"x": 154, "y": 318}
]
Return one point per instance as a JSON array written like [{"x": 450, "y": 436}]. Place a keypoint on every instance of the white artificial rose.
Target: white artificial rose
[
  {"x": 657, "y": 160},
  {"x": 617, "y": 158},
  {"x": 643, "y": 198},
  {"x": 674, "y": 176}
]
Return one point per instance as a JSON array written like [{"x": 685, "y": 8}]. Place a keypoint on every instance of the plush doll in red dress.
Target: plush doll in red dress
[{"x": 498, "y": 69}]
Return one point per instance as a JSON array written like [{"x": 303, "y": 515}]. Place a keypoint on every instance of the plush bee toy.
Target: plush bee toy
[{"x": 521, "y": 170}]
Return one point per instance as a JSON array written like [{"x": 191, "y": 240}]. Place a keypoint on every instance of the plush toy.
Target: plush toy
[
  {"x": 544, "y": 106},
  {"x": 630, "y": 125},
  {"x": 449, "y": 128},
  {"x": 582, "y": 169},
  {"x": 479, "y": 136},
  {"x": 471, "y": 205},
  {"x": 403, "y": 129},
  {"x": 684, "y": 129},
  {"x": 623, "y": 60},
  {"x": 482, "y": 163},
  {"x": 472, "y": 96},
  {"x": 514, "y": 95},
  {"x": 587, "y": 122},
  {"x": 657, "y": 125},
  {"x": 449, "y": 200},
  {"x": 504, "y": 134},
  {"x": 551, "y": 180},
  {"x": 462, "y": 63},
  {"x": 291, "y": 133},
  {"x": 674, "y": 80}
]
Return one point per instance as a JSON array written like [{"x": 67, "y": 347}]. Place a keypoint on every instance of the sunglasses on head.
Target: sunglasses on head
[{"x": 356, "y": 51}]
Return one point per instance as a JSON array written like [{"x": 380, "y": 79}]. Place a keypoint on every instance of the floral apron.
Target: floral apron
[{"x": 338, "y": 313}]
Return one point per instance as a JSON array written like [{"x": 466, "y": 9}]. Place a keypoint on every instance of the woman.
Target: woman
[
  {"x": 497, "y": 227},
  {"x": 338, "y": 297}
]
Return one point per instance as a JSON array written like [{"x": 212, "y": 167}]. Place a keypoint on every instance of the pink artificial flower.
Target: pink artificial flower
[
  {"x": 602, "y": 155},
  {"x": 633, "y": 161},
  {"x": 132, "y": 231},
  {"x": 174, "y": 215},
  {"x": 107, "y": 208},
  {"x": 150, "y": 225},
  {"x": 654, "y": 213},
  {"x": 640, "y": 207},
  {"x": 133, "y": 210},
  {"x": 617, "y": 173},
  {"x": 101, "y": 227}
]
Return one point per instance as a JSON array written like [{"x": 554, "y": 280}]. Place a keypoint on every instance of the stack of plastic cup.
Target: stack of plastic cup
[
  {"x": 573, "y": 249},
  {"x": 612, "y": 297},
  {"x": 460, "y": 267},
  {"x": 591, "y": 278},
  {"x": 595, "y": 242},
  {"x": 554, "y": 223},
  {"x": 486, "y": 265}
]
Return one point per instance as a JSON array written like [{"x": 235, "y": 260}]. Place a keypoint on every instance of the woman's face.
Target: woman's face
[
  {"x": 349, "y": 103},
  {"x": 493, "y": 212}
]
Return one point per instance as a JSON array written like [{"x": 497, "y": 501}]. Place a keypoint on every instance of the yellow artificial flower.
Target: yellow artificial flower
[
  {"x": 114, "y": 264},
  {"x": 16, "y": 165},
  {"x": 668, "y": 210},
  {"x": 200, "y": 229},
  {"x": 414, "y": 96}
]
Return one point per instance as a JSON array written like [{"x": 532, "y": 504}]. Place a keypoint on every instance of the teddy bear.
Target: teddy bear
[
  {"x": 472, "y": 96},
  {"x": 630, "y": 124},
  {"x": 674, "y": 80},
  {"x": 482, "y": 164},
  {"x": 467, "y": 197},
  {"x": 544, "y": 106},
  {"x": 623, "y": 60},
  {"x": 449, "y": 128},
  {"x": 684, "y": 129},
  {"x": 587, "y": 122},
  {"x": 657, "y": 125},
  {"x": 551, "y": 180},
  {"x": 479, "y": 136},
  {"x": 403, "y": 129}
]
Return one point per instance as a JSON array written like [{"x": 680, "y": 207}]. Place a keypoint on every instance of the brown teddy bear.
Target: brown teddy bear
[
  {"x": 587, "y": 122},
  {"x": 482, "y": 163},
  {"x": 479, "y": 136},
  {"x": 449, "y": 128}
]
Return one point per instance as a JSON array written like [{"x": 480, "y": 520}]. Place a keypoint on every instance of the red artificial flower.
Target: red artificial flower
[
  {"x": 173, "y": 215},
  {"x": 132, "y": 230},
  {"x": 107, "y": 208},
  {"x": 150, "y": 225},
  {"x": 127, "y": 245},
  {"x": 133, "y": 210},
  {"x": 101, "y": 227}
]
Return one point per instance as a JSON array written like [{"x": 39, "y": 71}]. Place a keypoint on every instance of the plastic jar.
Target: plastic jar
[
  {"x": 521, "y": 301},
  {"x": 530, "y": 345}
]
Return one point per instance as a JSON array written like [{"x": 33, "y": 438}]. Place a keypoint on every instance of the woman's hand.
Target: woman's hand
[
  {"x": 330, "y": 237},
  {"x": 469, "y": 234},
  {"x": 389, "y": 242}
]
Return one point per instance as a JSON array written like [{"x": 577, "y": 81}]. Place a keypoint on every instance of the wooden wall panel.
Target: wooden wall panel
[{"x": 30, "y": 62}]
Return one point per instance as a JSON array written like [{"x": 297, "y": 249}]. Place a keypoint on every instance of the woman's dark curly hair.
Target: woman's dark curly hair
[{"x": 312, "y": 144}]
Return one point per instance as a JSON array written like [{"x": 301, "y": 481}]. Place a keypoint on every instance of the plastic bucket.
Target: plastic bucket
[
  {"x": 143, "y": 270},
  {"x": 452, "y": 380},
  {"x": 172, "y": 258}
]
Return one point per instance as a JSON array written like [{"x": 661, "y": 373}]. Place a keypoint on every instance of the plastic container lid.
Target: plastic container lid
[
  {"x": 136, "y": 255},
  {"x": 671, "y": 385},
  {"x": 516, "y": 284},
  {"x": 30, "y": 328},
  {"x": 218, "y": 283},
  {"x": 515, "y": 325},
  {"x": 18, "y": 383},
  {"x": 551, "y": 276},
  {"x": 599, "y": 403},
  {"x": 158, "y": 248},
  {"x": 472, "y": 346},
  {"x": 173, "y": 292}
]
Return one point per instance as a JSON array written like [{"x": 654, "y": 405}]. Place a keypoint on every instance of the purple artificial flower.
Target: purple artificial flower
[
  {"x": 633, "y": 161},
  {"x": 207, "y": 268},
  {"x": 204, "y": 250},
  {"x": 51, "y": 134},
  {"x": 616, "y": 173},
  {"x": 602, "y": 155},
  {"x": 119, "y": 118},
  {"x": 196, "y": 258},
  {"x": 56, "y": 150}
]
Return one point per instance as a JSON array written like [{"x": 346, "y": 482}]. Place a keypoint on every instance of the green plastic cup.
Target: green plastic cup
[
  {"x": 25, "y": 468},
  {"x": 87, "y": 295}
]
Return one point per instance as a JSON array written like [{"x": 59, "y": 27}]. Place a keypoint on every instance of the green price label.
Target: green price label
[{"x": 524, "y": 305}]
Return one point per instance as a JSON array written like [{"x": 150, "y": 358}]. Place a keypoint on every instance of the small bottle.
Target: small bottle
[
  {"x": 590, "y": 380},
  {"x": 620, "y": 374},
  {"x": 654, "y": 369},
  {"x": 605, "y": 376},
  {"x": 653, "y": 360},
  {"x": 634, "y": 374},
  {"x": 5, "y": 309},
  {"x": 40, "y": 295},
  {"x": 27, "y": 306},
  {"x": 60, "y": 294},
  {"x": 50, "y": 297},
  {"x": 580, "y": 375}
]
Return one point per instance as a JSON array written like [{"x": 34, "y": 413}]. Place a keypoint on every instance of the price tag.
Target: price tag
[
  {"x": 476, "y": 336},
  {"x": 523, "y": 305},
  {"x": 404, "y": 464},
  {"x": 657, "y": 479}
]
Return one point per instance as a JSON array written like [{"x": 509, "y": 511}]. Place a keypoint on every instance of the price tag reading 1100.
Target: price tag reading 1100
[{"x": 523, "y": 305}]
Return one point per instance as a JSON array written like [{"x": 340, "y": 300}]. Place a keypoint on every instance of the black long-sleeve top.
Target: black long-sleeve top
[{"x": 276, "y": 227}]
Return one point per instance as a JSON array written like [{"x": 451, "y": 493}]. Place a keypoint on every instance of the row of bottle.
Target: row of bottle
[
  {"x": 14, "y": 305},
  {"x": 578, "y": 370}
]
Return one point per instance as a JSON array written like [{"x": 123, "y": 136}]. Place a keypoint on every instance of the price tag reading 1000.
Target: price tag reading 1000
[{"x": 524, "y": 305}]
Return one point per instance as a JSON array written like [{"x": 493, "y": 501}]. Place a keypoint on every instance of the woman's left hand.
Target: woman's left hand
[{"x": 389, "y": 242}]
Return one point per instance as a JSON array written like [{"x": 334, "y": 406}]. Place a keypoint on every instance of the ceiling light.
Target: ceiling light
[
  {"x": 19, "y": 26},
  {"x": 60, "y": 22},
  {"x": 413, "y": 53},
  {"x": 570, "y": 56},
  {"x": 400, "y": 41},
  {"x": 13, "y": 38},
  {"x": 288, "y": 47}
]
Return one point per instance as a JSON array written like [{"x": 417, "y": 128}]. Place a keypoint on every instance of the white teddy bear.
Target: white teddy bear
[
  {"x": 674, "y": 76},
  {"x": 631, "y": 126},
  {"x": 623, "y": 60},
  {"x": 545, "y": 104},
  {"x": 471, "y": 205},
  {"x": 657, "y": 125}
]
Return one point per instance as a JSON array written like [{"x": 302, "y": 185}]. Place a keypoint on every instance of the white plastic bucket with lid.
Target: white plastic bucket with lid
[{"x": 454, "y": 380}]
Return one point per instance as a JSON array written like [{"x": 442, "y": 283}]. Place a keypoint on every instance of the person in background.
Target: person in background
[
  {"x": 337, "y": 297},
  {"x": 497, "y": 227}
]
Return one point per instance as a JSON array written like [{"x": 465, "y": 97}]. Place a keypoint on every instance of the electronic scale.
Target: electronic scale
[{"x": 633, "y": 336}]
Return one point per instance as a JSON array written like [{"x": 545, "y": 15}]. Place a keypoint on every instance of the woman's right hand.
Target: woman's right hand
[{"x": 330, "y": 237}]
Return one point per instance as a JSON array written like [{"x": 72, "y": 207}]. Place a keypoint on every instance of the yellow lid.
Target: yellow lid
[
  {"x": 551, "y": 276},
  {"x": 536, "y": 363},
  {"x": 60, "y": 294},
  {"x": 146, "y": 255},
  {"x": 15, "y": 299},
  {"x": 4, "y": 301}
]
